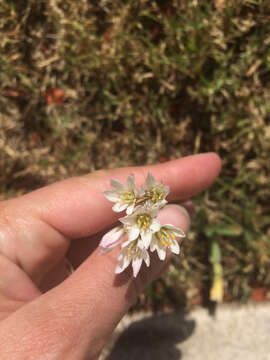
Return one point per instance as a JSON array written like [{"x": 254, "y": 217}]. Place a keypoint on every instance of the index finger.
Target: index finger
[{"x": 77, "y": 207}]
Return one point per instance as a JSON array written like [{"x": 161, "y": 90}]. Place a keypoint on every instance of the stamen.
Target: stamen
[
  {"x": 143, "y": 221},
  {"x": 127, "y": 196},
  {"x": 156, "y": 194},
  {"x": 164, "y": 244},
  {"x": 132, "y": 250}
]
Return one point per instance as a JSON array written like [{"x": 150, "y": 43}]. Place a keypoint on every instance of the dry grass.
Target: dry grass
[{"x": 93, "y": 84}]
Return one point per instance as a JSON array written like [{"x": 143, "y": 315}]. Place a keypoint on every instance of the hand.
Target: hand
[{"x": 45, "y": 314}]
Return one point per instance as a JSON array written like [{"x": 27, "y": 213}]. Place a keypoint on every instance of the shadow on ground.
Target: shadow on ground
[{"x": 155, "y": 337}]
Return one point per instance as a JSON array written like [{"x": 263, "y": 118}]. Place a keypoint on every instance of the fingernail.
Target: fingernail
[
  {"x": 176, "y": 215},
  {"x": 184, "y": 210}
]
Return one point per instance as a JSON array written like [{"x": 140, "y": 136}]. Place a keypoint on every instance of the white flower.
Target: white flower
[
  {"x": 132, "y": 253},
  {"x": 111, "y": 239},
  {"x": 166, "y": 238},
  {"x": 140, "y": 229},
  {"x": 123, "y": 196},
  {"x": 142, "y": 223},
  {"x": 155, "y": 192}
]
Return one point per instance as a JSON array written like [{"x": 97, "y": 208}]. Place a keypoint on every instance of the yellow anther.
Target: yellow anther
[
  {"x": 164, "y": 244},
  {"x": 170, "y": 243},
  {"x": 172, "y": 235},
  {"x": 143, "y": 221},
  {"x": 168, "y": 236}
]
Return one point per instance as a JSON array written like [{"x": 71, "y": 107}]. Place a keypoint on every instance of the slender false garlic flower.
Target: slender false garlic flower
[
  {"x": 140, "y": 229},
  {"x": 134, "y": 254},
  {"x": 165, "y": 239},
  {"x": 111, "y": 239},
  {"x": 123, "y": 196},
  {"x": 154, "y": 192},
  {"x": 141, "y": 224}
]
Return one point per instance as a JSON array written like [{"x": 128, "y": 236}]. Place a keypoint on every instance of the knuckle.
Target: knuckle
[
  {"x": 7, "y": 229},
  {"x": 100, "y": 173}
]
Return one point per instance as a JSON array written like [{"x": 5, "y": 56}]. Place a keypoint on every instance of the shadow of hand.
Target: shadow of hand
[{"x": 155, "y": 337}]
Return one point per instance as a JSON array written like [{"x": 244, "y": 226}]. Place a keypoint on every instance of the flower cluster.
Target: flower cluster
[{"x": 140, "y": 230}]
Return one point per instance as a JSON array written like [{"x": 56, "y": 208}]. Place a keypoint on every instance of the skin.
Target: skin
[{"x": 45, "y": 314}]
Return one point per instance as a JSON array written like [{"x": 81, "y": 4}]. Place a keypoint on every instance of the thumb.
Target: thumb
[{"x": 76, "y": 318}]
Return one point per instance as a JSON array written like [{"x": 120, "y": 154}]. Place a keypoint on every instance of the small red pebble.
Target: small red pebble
[{"x": 54, "y": 96}]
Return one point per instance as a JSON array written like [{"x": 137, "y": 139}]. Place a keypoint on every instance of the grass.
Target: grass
[{"x": 100, "y": 84}]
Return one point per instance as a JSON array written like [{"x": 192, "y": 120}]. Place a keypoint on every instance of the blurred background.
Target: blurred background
[{"x": 86, "y": 85}]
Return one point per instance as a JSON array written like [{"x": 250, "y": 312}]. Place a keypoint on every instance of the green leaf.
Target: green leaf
[
  {"x": 226, "y": 230},
  {"x": 215, "y": 252}
]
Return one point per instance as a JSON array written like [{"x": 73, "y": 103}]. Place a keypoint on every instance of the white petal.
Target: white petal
[
  {"x": 111, "y": 195},
  {"x": 161, "y": 203},
  {"x": 126, "y": 220},
  {"x": 166, "y": 190},
  {"x": 112, "y": 238},
  {"x": 136, "y": 265},
  {"x": 150, "y": 181},
  {"x": 177, "y": 231},
  {"x": 123, "y": 253},
  {"x": 131, "y": 182},
  {"x": 174, "y": 247},
  {"x": 141, "y": 244},
  {"x": 121, "y": 266},
  {"x": 161, "y": 252},
  {"x": 135, "y": 210},
  {"x": 146, "y": 258},
  {"x": 153, "y": 211},
  {"x": 153, "y": 245},
  {"x": 117, "y": 185},
  {"x": 130, "y": 209},
  {"x": 118, "y": 207},
  {"x": 126, "y": 243},
  {"x": 155, "y": 226},
  {"x": 133, "y": 233},
  {"x": 140, "y": 191},
  {"x": 139, "y": 210},
  {"x": 120, "y": 256},
  {"x": 146, "y": 238}
]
